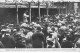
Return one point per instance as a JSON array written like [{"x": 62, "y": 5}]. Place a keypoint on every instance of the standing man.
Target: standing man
[
  {"x": 25, "y": 19},
  {"x": 8, "y": 40},
  {"x": 38, "y": 39}
]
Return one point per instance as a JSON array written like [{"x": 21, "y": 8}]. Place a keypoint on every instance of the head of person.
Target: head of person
[
  {"x": 39, "y": 29},
  {"x": 7, "y": 34}
]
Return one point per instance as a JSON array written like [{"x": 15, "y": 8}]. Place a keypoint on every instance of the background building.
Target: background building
[{"x": 12, "y": 10}]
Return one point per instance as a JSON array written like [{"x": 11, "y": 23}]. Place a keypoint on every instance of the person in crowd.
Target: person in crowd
[
  {"x": 29, "y": 37},
  {"x": 45, "y": 34},
  {"x": 20, "y": 41},
  {"x": 53, "y": 37},
  {"x": 8, "y": 40},
  {"x": 56, "y": 32},
  {"x": 77, "y": 44},
  {"x": 38, "y": 39},
  {"x": 25, "y": 19},
  {"x": 1, "y": 44},
  {"x": 67, "y": 43}
]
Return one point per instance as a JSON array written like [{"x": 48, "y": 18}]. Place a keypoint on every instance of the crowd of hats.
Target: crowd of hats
[{"x": 61, "y": 24}]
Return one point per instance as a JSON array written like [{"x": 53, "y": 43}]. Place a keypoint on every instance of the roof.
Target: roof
[
  {"x": 24, "y": 6},
  {"x": 34, "y": 3}
]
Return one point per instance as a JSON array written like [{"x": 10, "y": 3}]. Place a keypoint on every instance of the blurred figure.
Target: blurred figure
[
  {"x": 25, "y": 19},
  {"x": 29, "y": 38},
  {"x": 1, "y": 44},
  {"x": 67, "y": 43},
  {"x": 77, "y": 43},
  {"x": 38, "y": 39},
  {"x": 8, "y": 40},
  {"x": 52, "y": 39},
  {"x": 20, "y": 42}
]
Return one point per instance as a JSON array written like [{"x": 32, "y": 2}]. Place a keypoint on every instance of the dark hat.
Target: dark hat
[
  {"x": 30, "y": 28},
  {"x": 39, "y": 28}
]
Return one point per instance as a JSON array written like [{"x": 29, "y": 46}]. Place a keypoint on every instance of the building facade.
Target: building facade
[{"x": 16, "y": 9}]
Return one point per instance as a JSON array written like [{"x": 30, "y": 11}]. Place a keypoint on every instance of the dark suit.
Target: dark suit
[
  {"x": 1, "y": 45},
  {"x": 8, "y": 41},
  {"x": 67, "y": 44},
  {"x": 37, "y": 39}
]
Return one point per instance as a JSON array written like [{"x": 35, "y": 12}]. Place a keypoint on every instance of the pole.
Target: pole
[
  {"x": 70, "y": 7},
  {"x": 47, "y": 9},
  {"x": 39, "y": 11},
  {"x": 30, "y": 11},
  {"x": 59, "y": 9},
  {"x": 66, "y": 7},
  {"x": 17, "y": 13}
]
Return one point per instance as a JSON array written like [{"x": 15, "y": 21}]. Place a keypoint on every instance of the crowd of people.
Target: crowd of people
[{"x": 59, "y": 31}]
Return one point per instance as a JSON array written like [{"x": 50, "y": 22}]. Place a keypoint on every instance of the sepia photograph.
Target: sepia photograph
[{"x": 39, "y": 24}]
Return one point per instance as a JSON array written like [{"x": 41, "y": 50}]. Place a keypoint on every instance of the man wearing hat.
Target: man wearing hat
[
  {"x": 66, "y": 43},
  {"x": 25, "y": 19},
  {"x": 38, "y": 39},
  {"x": 8, "y": 41}
]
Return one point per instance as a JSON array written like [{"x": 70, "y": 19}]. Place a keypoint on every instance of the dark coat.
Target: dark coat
[
  {"x": 37, "y": 39},
  {"x": 1, "y": 45},
  {"x": 67, "y": 44},
  {"x": 8, "y": 41}
]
